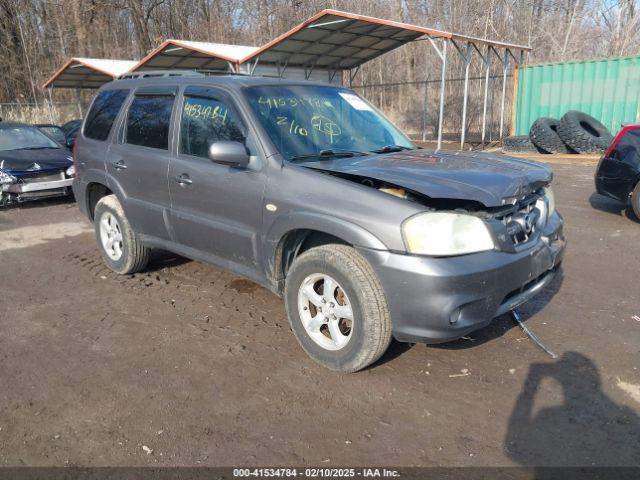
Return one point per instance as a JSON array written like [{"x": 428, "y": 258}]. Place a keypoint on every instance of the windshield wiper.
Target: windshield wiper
[
  {"x": 329, "y": 153},
  {"x": 391, "y": 148}
]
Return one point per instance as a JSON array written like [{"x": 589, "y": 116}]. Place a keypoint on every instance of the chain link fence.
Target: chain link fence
[
  {"x": 45, "y": 112},
  {"x": 414, "y": 107}
]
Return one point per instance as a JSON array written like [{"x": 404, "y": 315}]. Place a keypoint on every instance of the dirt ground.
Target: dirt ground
[{"x": 187, "y": 365}]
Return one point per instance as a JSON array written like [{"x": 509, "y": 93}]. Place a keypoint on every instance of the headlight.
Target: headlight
[
  {"x": 71, "y": 171},
  {"x": 6, "y": 178},
  {"x": 551, "y": 200},
  {"x": 442, "y": 234}
]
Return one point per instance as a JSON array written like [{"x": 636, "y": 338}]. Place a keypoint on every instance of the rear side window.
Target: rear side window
[
  {"x": 103, "y": 113},
  {"x": 205, "y": 121},
  {"x": 148, "y": 121},
  {"x": 628, "y": 147}
]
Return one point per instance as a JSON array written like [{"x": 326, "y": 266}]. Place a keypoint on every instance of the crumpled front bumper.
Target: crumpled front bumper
[
  {"x": 434, "y": 300},
  {"x": 37, "y": 186},
  {"x": 32, "y": 187}
]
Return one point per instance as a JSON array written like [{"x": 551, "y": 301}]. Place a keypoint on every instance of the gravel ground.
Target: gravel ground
[{"x": 187, "y": 365}]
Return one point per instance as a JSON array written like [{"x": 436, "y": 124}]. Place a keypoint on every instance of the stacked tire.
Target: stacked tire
[{"x": 575, "y": 132}]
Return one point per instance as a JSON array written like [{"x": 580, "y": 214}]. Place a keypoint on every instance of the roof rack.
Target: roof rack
[
  {"x": 178, "y": 73},
  {"x": 161, "y": 73}
]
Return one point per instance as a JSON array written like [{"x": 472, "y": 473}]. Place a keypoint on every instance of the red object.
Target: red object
[{"x": 626, "y": 129}]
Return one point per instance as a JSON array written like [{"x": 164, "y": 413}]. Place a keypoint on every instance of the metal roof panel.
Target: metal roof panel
[{"x": 79, "y": 72}]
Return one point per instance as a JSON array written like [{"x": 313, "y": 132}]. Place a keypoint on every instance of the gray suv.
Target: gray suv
[{"x": 306, "y": 189}]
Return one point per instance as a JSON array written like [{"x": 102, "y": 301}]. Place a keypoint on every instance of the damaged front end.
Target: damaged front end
[
  {"x": 18, "y": 187},
  {"x": 516, "y": 225},
  {"x": 485, "y": 239}
]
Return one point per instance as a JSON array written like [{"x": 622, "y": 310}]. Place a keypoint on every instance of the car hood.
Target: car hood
[
  {"x": 482, "y": 177},
  {"x": 24, "y": 160}
]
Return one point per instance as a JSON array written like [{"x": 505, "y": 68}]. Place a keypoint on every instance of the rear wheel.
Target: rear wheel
[
  {"x": 120, "y": 247},
  {"x": 337, "y": 308}
]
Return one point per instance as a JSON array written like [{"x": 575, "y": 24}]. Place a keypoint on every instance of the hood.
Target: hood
[
  {"x": 481, "y": 177},
  {"x": 29, "y": 161}
]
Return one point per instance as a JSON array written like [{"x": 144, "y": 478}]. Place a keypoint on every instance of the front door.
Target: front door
[{"x": 215, "y": 209}]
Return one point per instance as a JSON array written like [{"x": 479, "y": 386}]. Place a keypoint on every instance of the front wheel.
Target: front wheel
[
  {"x": 119, "y": 245},
  {"x": 337, "y": 308}
]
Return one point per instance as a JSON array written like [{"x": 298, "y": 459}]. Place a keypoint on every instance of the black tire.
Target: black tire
[
  {"x": 544, "y": 135},
  {"x": 370, "y": 332},
  {"x": 583, "y": 133},
  {"x": 635, "y": 201},
  {"x": 134, "y": 255},
  {"x": 519, "y": 144}
]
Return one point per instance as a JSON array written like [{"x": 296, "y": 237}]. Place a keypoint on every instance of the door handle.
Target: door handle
[
  {"x": 119, "y": 165},
  {"x": 183, "y": 179}
]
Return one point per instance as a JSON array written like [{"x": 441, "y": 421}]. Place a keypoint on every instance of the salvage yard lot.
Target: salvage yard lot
[{"x": 200, "y": 367}]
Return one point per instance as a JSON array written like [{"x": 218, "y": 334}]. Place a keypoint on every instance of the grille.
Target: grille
[
  {"x": 524, "y": 219},
  {"x": 41, "y": 177}
]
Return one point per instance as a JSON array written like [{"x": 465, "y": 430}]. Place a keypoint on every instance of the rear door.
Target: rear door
[
  {"x": 215, "y": 209},
  {"x": 138, "y": 162},
  {"x": 93, "y": 146}
]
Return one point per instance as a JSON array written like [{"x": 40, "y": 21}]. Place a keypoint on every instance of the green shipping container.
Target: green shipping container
[{"x": 608, "y": 90}]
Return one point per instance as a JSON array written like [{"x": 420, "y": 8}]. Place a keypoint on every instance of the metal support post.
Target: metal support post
[
  {"x": 78, "y": 102},
  {"x": 467, "y": 56},
  {"x": 442, "y": 53},
  {"x": 50, "y": 105},
  {"x": 486, "y": 60},
  {"x": 505, "y": 67}
]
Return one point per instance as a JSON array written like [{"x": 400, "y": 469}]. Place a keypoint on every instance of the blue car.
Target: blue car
[{"x": 32, "y": 165}]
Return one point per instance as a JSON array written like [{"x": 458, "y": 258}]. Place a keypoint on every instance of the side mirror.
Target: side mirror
[
  {"x": 70, "y": 142},
  {"x": 229, "y": 153}
]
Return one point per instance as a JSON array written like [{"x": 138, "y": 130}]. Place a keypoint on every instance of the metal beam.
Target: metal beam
[
  {"x": 352, "y": 76},
  {"x": 442, "y": 53}
]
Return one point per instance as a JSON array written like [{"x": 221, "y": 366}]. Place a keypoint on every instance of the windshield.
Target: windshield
[
  {"x": 311, "y": 120},
  {"x": 16, "y": 138}
]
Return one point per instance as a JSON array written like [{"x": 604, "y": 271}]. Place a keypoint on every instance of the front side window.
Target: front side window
[
  {"x": 205, "y": 121},
  {"x": 304, "y": 120},
  {"x": 148, "y": 121},
  {"x": 103, "y": 113}
]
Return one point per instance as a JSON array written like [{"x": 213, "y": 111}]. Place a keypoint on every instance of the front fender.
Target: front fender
[
  {"x": 347, "y": 231},
  {"x": 342, "y": 229}
]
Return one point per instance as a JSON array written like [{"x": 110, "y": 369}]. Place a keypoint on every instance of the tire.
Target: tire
[
  {"x": 635, "y": 201},
  {"x": 583, "y": 133},
  {"x": 357, "y": 345},
  {"x": 519, "y": 144},
  {"x": 544, "y": 135},
  {"x": 110, "y": 222}
]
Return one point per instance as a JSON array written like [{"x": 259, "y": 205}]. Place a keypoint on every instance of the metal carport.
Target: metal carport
[
  {"x": 84, "y": 73},
  {"x": 320, "y": 48},
  {"x": 188, "y": 55},
  {"x": 337, "y": 41},
  {"x": 88, "y": 72}
]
